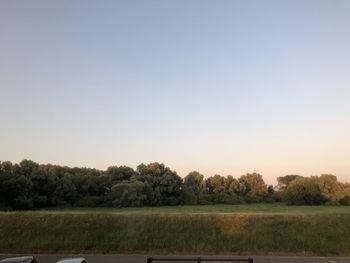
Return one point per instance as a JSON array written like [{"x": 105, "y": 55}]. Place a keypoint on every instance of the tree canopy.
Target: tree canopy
[{"x": 29, "y": 185}]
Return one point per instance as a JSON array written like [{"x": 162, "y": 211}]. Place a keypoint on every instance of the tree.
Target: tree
[
  {"x": 193, "y": 189},
  {"x": 44, "y": 186},
  {"x": 233, "y": 185},
  {"x": 17, "y": 192},
  {"x": 15, "y": 188},
  {"x": 216, "y": 184},
  {"x": 303, "y": 191},
  {"x": 284, "y": 181},
  {"x": 163, "y": 185},
  {"x": 128, "y": 194},
  {"x": 29, "y": 185},
  {"x": 254, "y": 184},
  {"x": 27, "y": 167},
  {"x": 195, "y": 181},
  {"x": 119, "y": 173},
  {"x": 331, "y": 190},
  {"x": 65, "y": 192}
]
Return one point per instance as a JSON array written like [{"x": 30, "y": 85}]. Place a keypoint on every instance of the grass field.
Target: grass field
[
  {"x": 277, "y": 208},
  {"x": 219, "y": 229},
  {"x": 247, "y": 208}
]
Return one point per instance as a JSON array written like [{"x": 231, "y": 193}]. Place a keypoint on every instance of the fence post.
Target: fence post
[
  {"x": 149, "y": 260},
  {"x": 250, "y": 260}
]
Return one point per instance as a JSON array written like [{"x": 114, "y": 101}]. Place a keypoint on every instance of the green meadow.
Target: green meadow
[
  {"x": 260, "y": 208},
  {"x": 260, "y": 229}
]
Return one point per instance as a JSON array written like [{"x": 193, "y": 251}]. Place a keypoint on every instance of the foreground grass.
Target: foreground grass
[{"x": 169, "y": 230}]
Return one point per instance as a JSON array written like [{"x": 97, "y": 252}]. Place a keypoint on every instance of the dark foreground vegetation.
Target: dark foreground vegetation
[
  {"x": 38, "y": 232},
  {"x": 29, "y": 185}
]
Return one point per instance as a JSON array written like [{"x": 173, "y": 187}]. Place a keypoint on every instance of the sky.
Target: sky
[{"x": 221, "y": 87}]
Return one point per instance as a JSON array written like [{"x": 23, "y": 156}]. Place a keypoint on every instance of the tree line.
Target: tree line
[{"x": 29, "y": 185}]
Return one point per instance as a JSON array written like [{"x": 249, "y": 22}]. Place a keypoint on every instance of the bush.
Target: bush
[
  {"x": 204, "y": 199},
  {"x": 22, "y": 203},
  {"x": 254, "y": 198},
  {"x": 90, "y": 201},
  {"x": 225, "y": 198},
  {"x": 40, "y": 201},
  {"x": 345, "y": 201}
]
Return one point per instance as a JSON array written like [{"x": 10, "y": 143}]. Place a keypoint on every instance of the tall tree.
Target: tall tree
[
  {"x": 195, "y": 181},
  {"x": 284, "y": 181},
  {"x": 303, "y": 191},
  {"x": 164, "y": 183},
  {"x": 253, "y": 183},
  {"x": 216, "y": 184},
  {"x": 331, "y": 190}
]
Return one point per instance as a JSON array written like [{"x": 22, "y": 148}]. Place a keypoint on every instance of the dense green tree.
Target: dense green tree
[
  {"x": 17, "y": 192},
  {"x": 195, "y": 181},
  {"x": 29, "y": 185},
  {"x": 44, "y": 186},
  {"x": 27, "y": 167},
  {"x": 163, "y": 184},
  {"x": 90, "y": 185},
  {"x": 119, "y": 173},
  {"x": 193, "y": 189},
  {"x": 15, "y": 188},
  {"x": 65, "y": 192},
  {"x": 303, "y": 191},
  {"x": 224, "y": 190},
  {"x": 128, "y": 194}
]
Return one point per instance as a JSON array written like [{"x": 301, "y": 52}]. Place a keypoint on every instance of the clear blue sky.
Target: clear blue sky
[{"x": 223, "y": 87}]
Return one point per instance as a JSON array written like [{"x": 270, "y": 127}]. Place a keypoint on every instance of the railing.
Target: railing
[{"x": 200, "y": 259}]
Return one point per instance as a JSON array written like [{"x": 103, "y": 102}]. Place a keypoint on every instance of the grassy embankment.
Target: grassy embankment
[{"x": 220, "y": 229}]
